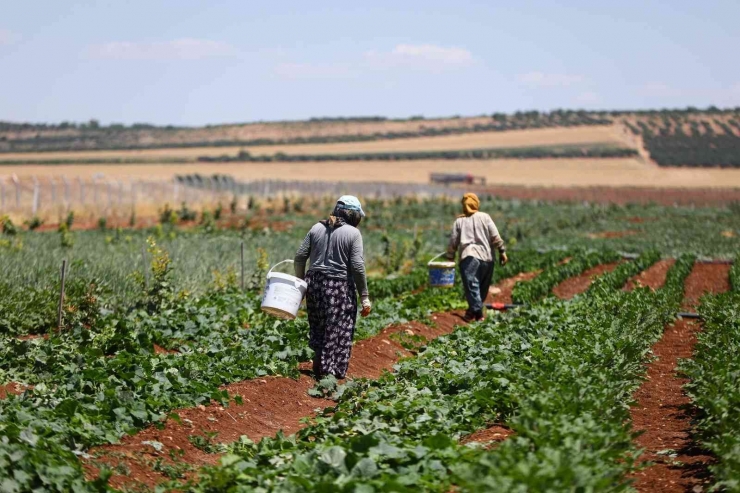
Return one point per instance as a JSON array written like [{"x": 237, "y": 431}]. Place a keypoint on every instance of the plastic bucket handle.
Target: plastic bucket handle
[
  {"x": 435, "y": 258},
  {"x": 289, "y": 261}
]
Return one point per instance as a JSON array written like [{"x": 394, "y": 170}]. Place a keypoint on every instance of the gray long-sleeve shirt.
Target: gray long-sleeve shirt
[
  {"x": 336, "y": 251},
  {"x": 475, "y": 236}
]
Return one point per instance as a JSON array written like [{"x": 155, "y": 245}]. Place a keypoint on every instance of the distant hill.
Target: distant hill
[{"x": 688, "y": 137}]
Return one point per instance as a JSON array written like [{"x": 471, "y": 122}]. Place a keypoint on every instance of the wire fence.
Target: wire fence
[{"x": 34, "y": 196}]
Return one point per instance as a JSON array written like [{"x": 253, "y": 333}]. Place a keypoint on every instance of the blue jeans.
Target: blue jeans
[{"x": 476, "y": 277}]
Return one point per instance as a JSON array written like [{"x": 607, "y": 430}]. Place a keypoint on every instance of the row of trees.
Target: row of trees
[{"x": 511, "y": 153}]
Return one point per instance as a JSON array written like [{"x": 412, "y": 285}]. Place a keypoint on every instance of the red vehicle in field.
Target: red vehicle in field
[{"x": 465, "y": 178}]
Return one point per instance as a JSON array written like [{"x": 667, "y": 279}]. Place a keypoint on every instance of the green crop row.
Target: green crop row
[
  {"x": 94, "y": 383},
  {"x": 714, "y": 373},
  {"x": 30, "y": 261},
  {"x": 735, "y": 275},
  {"x": 559, "y": 374},
  {"x": 539, "y": 287}
]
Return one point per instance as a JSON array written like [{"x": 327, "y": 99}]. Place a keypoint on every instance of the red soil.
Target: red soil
[
  {"x": 160, "y": 350},
  {"x": 637, "y": 220},
  {"x": 490, "y": 436},
  {"x": 29, "y": 337},
  {"x": 507, "y": 285},
  {"x": 268, "y": 405},
  {"x": 653, "y": 277},
  {"x": 611, "y": 234},
  {"x": 579, "y": 284},
  {"x": 618, "y": 195},
  {"x": 12, "y": 388},
  {"x": 706, "y": 278},
  {"x": 662, "y": 411}
]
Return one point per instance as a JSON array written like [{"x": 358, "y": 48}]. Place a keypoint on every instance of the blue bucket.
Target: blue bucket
[{"x": 441, "y": 274}]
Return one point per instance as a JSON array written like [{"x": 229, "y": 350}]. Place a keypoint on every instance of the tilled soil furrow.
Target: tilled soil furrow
[
  {"x": 663, "y": 412},
  {"x": 653, "y": 277},
  {"x": 579, "y": 284},
  {"x": 268, "y": 405},
  {"x": 706, "y": 278},
  {"x": 507, "y": 285}
]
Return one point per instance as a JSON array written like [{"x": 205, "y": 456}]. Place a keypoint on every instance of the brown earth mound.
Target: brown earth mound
[
  {"x": 663, "y": 412},
  {"x": 579, "y": 284}
]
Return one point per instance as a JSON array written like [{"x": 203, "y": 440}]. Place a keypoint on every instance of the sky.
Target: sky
[{"x": 187, "y": 62}]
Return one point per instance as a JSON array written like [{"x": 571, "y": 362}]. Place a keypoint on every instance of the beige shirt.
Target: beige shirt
[{"x": 475, "y": 236}]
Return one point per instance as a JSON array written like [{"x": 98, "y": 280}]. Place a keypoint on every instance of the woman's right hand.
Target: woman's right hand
[{"x": 367, "y": 307}]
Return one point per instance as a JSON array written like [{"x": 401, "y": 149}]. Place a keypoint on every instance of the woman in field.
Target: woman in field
[
  {"x": 474, "y": 235},
  {"x": 336, "y": 273}
]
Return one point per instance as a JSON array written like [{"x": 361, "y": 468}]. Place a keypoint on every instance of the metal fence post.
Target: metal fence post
[
  {"x": 82, "y": 190},
  {"x": 36, "y": 191},
  {"x": 60, "y": 311},
  {"x": 66, "y": 191}
]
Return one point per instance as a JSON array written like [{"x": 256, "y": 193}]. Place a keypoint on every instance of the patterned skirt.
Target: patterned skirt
[{"x": 332, "y": 313}]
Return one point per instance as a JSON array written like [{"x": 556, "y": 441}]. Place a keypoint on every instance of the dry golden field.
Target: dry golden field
[
  {"x": 535, "y": 172},
  {"x": 269, "y": 130},
  {"x": 602, "y": 134}
]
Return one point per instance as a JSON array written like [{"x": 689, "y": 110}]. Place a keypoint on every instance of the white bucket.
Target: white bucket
[
  {"x": 441, "y": 274},
  {"x": 283, "y": 294}
]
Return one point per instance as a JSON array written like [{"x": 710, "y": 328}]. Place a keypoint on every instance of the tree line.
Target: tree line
[{"x": 498, "y": 153}]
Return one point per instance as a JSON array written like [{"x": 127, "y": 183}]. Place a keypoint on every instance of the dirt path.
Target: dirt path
[
  {"x": 268, "y": 405},
  {"x": 579, "y": 284},
  {"x": 706, "y": 278},
  {"x": 507, "y": 285},
  {"x": 662, "y": 411},
  {"x": 653, "y": 277}
]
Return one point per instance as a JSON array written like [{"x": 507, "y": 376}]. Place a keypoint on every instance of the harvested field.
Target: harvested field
[
  {"x": 512, "y": 138},
  {"x": 498, "y": 172},
  {"x": 272, "y": 130}
]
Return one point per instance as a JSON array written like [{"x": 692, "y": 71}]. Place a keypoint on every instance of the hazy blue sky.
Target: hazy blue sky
[{"x": 196, "y": 62}]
